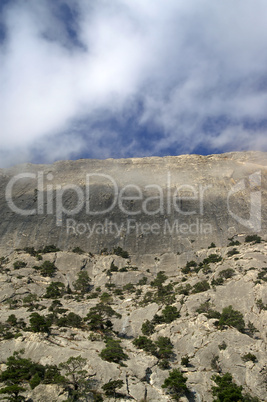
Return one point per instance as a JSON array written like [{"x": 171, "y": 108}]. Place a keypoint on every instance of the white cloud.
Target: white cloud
[{"x": 184, "y": 60}]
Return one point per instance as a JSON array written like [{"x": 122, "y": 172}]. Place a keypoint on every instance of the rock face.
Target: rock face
[
  {"x": 150, "y": 234},
  {"x": 146, "y": 205}
]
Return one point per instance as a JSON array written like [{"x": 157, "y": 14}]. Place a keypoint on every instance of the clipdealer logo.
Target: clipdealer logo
[
  {"x": 254, "y": 221},
  {"x": 149, "y": 200}
]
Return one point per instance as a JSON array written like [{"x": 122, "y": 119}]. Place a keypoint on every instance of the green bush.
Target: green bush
[
  {"x": 164, "y": 364},
  {"x": 222, "y": 346},
  {"x": 201, "y": 287},
  {"x": 227, "y": 391},
  {"x": 212, "y": 245},
  {"x": 111, "y": 387},
  {"x": 227, "y": 273},
  {"x": 70, "y": 320},
  {"x": 249, "y": 357},
  {"x": 165, "y": 347},
  {"x": 19, "y": 264},
  {"x": 49, "y": 249},
  {"x": 233, "y": 243},
  {"x": 142, "y": 342},
  {"x": 212, "y": 258},
  {"x": 18, "y": 372},
  {"x": 208, "y": 311},
  {"x": 142, "y": 281},
  {"x": 175, "y": 384},
  {"x": 77, "y": 250},
  {"x": 113, "y": 352},
  {"x": 48, "y": 269},
  {"x": 185, "y": 361},
  {"x": 82, "y": 283},
  {"x": 120, "y": 252},
  {"x": 169, "y": 314},
  {"x": 55, "y": 290},
  {"x": 232, "y": 252},
  {"x": 160, "y": 279},
  {"x": 262, "y": 275},
  {"x": 98, "y": 317},
  {"x": 253, "y": 238},
  {"x": 148, "y": 327},
  {"x": 39, "y": 323},
  {"x": 113, "y": 267},
  {"x": 184, "y": 290},
  {"x": 232, "y": 318}
]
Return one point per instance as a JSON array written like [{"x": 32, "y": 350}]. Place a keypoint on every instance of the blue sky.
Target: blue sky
[{"x": 123, "y": 78}]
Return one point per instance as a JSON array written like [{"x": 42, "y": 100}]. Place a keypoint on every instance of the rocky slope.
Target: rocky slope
[{"x": 139, "y": 288}]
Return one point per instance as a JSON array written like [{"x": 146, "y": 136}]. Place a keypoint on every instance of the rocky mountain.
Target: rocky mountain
[
  {"x": 144, "y": 205},
  {"x": 147, "y": 315}
]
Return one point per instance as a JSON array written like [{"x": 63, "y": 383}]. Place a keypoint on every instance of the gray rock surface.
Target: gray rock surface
[{"x": 185, "y": 197}]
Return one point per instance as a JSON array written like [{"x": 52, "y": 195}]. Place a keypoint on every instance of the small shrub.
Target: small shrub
[
  {"x": 142, "y": 281},
  {"x": 164, "y": 364},
  {"x": 129, "y": 287},
  {"x": 253, "y": 238},
  {"x": 142, "y": 342},
  {"x": 148, "y": 328},
  {"x": 208, "y": 311},
  {"x": 54, "y": 290},
  {"x": 169, "y": 314},
  {"x": 39, "y": 323},
  {"x": 49, "y": 249},
  {"x": 186, "y": 270},
  {"x": 19, "y": 264},
  {"x": 165, "y": 347},
  {"x": 48, "y": 269},
  {"x": 234, "y": 243},
  {"x": 215, "y": 363},
  {"x": 175, "y": 384},
  {"x": 184, "y": 290},
  {"x": 262, "y": 275},
  {"x": 82, "y": 283},
  {"x": 212, "y": 245},
  {"x": 217, "y": 282},
  {"x": 185, "y": 361},
  {"x": 227, "y": 273},
  {"x": 212, "y": 258},
  {"x": 160, "y": 279},
  {"x": 249, "y": 357},
  {"x": 226, "y": 390},
  {"x": 113, "y": 352},
  {"x": 113, "y": 267},
  {"x": 232, "y": 252},
  {"x": 222, "y": 346},
  {"x": 111, "y": 387},
  {"x": 123, "y": 269},
  {"x": 120, "y": 252},
  {"x": 77, "y": 250},
  {"x": 232, "y": 318},
  {"x": 201, "y": 287},
  {"x": 261, "y": 305}
]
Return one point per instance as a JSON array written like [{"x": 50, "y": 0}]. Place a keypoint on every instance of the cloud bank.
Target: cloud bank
[{"x": 101, "y": 79}]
